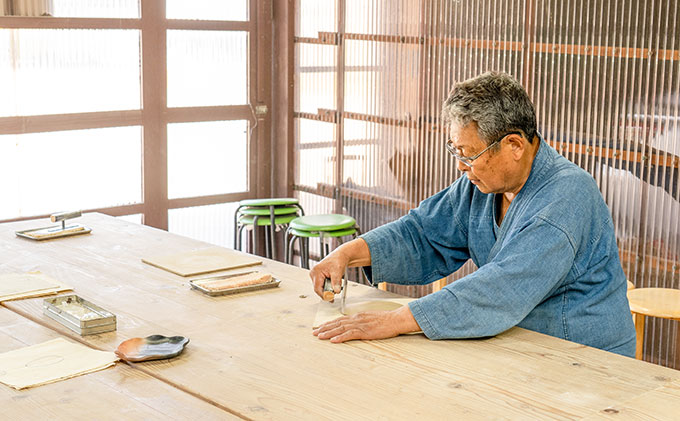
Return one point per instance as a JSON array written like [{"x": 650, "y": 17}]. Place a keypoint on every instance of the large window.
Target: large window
[{"x": 129, "y": 107}]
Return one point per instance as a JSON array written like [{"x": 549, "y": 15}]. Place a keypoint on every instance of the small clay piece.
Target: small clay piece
[
  {"x": 154, "y": 347},
  {"x": 253, "y": 278}
]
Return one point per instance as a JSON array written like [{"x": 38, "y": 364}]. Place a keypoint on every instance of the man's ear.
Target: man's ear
[{"x": 517, "y": 145}]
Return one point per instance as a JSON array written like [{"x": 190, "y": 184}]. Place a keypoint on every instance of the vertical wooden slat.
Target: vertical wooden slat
[
  {"x": 262, "y": 153},
  {"x": 340, "y": 105},
  {"x": 283, "y": 141},
  {"x": 154, "y": 106}
]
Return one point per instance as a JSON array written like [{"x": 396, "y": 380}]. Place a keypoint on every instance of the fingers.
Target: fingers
[
  {"x": 333, "y": 267},
  {"x": 338, "y": 332},
  {"x": 336, "y": 281},
  {"x": 318, "y": 279},
  {"x": 369, "y": 325}
]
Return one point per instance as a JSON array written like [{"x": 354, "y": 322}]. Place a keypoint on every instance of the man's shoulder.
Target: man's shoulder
[{"x": 566, "y": 193}]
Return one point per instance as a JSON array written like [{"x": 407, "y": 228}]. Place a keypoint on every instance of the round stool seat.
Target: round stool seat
[
  {"x": 279, "y": 210},
  {"x": 272, "y": 201},
  {"x": 314, "y": 234},
  {"x": 250, "y": 220},
  {"x": 630, "y": 285},
  {"x": 326, "y": 222},
  {"x": 655, "y": 302}
]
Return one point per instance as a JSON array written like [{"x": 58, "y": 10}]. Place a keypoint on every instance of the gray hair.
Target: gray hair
[{"x": 493, "y": 100}]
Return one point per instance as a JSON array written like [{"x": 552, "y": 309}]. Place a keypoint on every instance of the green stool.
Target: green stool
[
  {"x": 261, "y": 212},
  {"x": 317, "y": 226}
]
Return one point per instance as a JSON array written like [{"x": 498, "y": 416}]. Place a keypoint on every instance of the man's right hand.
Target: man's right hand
[{"x": 333, "y": 266}]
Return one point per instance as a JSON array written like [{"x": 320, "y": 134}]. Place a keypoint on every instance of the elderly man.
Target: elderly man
[{"x": 534, "y": 223}]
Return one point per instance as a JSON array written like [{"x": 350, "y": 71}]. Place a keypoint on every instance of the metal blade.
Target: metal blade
[{"x": 343, "y": 295}]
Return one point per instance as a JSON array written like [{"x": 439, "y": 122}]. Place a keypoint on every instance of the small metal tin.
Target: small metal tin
[
  {"x": 265, "y": 285},
  {"x": 85, "y": 318}
]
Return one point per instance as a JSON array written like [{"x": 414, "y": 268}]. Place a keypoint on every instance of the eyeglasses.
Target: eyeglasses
[{"x": 467, "y": 160}]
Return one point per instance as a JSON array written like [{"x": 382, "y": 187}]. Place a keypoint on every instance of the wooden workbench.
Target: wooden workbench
[{"x": 253, "y": 355}]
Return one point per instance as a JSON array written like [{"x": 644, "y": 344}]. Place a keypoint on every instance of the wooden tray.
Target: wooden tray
[{"x": 255, "y": 287}]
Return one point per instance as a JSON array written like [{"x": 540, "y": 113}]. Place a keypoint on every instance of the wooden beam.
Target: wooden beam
[
  {"x": 154, "y": 104},
  {"x": 62, "y": 122},
  {"x": 48, "y": 22},
  {"x": 283, "y": 141},
  {"x": 207, "y": 25},
  {"x": 211, "y": 113}
]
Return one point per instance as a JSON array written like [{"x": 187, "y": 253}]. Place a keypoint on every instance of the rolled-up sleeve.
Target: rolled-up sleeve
[{"x": 527, "y": 268}]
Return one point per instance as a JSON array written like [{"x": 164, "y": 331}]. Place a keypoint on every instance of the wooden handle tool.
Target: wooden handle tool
[{"x": 328, "y": 293}]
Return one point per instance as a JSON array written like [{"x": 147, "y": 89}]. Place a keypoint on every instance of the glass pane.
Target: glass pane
[
  {"x": 207, "y": 68},
  {"x": 207, "y": 9},
  {"x": 213, "y": 224},
  {"x": 70, "y": 170},
  {"x": 95, "y": 9},
  {"x": 316, "y": 16},
  {"x": 60, "y": 71},
  {"x": 207, "y": 158}
]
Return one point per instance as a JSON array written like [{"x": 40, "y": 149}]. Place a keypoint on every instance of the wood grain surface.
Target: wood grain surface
[
  {"x": 254, "y": 353},
  {"x": 117, "y": 393}
]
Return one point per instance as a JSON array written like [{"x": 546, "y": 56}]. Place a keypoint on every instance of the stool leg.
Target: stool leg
[
  {"x": 239, "y": 233},
  {"x": 322, "y": 245},
  {"x": 236, "y": 223},
  {"x": 291, "y": 246},
  {"x": 285, "y": 246},
  {"x": 304, "y": 247},
  {"x": 255, "y": 235},
  {"x": 272, "y": 237},
  {"x": 267, "y": 249},
  {"x": 639, "y": 335}
]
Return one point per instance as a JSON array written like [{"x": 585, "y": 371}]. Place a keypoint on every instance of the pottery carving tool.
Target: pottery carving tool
[
  {"x": 56, "y": 231},
  {"x": 329, "y": 294}
]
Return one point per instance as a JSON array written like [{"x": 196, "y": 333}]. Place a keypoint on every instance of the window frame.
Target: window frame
[{"x": 154, "y": 115}]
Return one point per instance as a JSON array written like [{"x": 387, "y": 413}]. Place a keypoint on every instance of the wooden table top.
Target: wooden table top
[
  {"x": 117, "y": 393},
  {"x": 254, "y": 355}
]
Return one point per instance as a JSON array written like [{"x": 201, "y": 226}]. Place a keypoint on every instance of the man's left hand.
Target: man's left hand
[{"x": 369, "y": 325}]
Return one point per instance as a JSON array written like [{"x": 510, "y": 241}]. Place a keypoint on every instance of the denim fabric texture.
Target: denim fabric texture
[{"x": 552, "y": 266}]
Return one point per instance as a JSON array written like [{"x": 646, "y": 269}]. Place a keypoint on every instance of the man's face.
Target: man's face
[{"x": 490, "y": 171}]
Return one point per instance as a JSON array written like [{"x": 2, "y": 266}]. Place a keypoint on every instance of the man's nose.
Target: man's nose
[{"x": 462, "y": 167}]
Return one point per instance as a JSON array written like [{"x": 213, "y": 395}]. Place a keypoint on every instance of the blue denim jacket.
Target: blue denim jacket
[{"x": 552, "y": 266}]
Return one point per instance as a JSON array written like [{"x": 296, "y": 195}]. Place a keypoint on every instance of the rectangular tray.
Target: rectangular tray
[
  {"x": 265, "y": 285},
  {"x": 57, "y": 233},
  {"x": 105, "y": 322}
]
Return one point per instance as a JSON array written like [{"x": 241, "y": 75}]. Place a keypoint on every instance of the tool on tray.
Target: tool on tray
[
  {"x": 234, "y": 283},
  {"x": 56, "y": 231}
]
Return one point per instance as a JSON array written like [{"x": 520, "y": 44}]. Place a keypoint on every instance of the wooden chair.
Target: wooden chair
[{"x": 655, "y": 302}]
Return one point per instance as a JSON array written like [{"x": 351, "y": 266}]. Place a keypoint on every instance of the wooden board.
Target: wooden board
[
  {"x": 255, "y": 354},
  {"x": 15, "y": 286},
  {"x": 117, "y": 393},
  {"x": 198, "y": 262}
]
